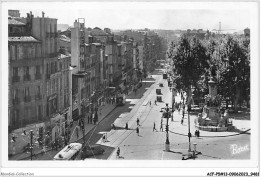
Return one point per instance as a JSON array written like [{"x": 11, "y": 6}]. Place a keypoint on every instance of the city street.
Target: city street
[{"x": 151, "y": 144}]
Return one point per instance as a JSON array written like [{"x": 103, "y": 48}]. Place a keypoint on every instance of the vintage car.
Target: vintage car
[{"x": 158, "y": 91}]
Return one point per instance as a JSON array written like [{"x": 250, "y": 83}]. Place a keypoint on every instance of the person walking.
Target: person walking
[
  {"x": 137, "y": 121},
  {"x": 196, "y": 133},
  {"x": 137, "y": 130},
  {"x": 161, "y": 127},
  {"x": 181, "y": 121},
  {"x": 126, "y": 126},
  {"x": 104, "y": 138},
  {"x": 154, "y": 127},
  {"x": 150, "y": 103},
  {"x": 183, "y": 112},
  {"x": 155, "y": 102},
  {"x": 113, "y": 126},
  {"x": 118, "y": 152}
]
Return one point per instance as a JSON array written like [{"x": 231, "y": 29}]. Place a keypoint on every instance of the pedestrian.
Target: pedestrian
[
  {"x": 161, "y": 127},
  {"x": 198, "y": 133},
  {"x": 118, "y": 152},
  {"x": 155, "y": 102},
  {"x": 154, "y": 127},
  {"x": 137, "y": 130},
  {"x": 181, "y": 121},
  {"x": 113, "y": 126},
  {"x": 104, "y": 138},
  {"x": 126, "y": 126},
  {"x": 137, "y": 121}
]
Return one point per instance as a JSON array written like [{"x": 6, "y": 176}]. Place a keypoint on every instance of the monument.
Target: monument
[{"x": 212, "y": 119}]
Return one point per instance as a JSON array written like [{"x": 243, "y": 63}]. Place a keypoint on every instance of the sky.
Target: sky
[{"x": 142, "y": 15}]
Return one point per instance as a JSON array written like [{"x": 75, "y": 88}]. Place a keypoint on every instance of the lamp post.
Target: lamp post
[
  {"x": 167, "y": 115},
  {"x": 31, "y": 146}
]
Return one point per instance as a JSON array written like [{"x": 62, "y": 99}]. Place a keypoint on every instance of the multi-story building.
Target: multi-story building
[
  {"x": 35, "y": 81},
  {"x": 26, "y": 76}
]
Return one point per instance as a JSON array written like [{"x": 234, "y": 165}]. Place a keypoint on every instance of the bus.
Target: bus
[{"x": 69, "y": 152}]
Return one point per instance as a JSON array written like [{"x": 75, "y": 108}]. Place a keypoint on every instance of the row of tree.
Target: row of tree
[{"x": 225, "y": 58}]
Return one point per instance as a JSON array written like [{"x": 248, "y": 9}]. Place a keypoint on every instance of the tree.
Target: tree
[
  {"x": 190, "y": 62},
  {"x": 232, "y": 60}
]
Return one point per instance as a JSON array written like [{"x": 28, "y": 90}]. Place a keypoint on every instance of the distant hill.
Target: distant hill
[{"x": 62, "y": 27}]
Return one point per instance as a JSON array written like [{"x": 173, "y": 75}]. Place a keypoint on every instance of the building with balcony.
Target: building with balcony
[{"x": 35, "y": 96}]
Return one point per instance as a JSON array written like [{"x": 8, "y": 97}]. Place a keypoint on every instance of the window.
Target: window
[
  {"x": 38, "y": 90},
  {"x": 13, "y": 53},
  {"x": 39, "y": 112},
  {"x": 15, "y": 117},
  {"x": 29, "y": 50},
  {"x": 38, "y": 72},
  {"x": 15, "y": 71},
  {"x": 26, "y": 92},
  {"x": 15, "y": 93},
  {"x": 27, "y": 73},
  {"x": 52, "y": 68},
  {"x": 19, "y": 52}
]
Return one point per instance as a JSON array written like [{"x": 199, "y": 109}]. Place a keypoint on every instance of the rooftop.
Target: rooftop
[
  {"x": 22, "y": 39},
  {"x": 12, "y": 21}
]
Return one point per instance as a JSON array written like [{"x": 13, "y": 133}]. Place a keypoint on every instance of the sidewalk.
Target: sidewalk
[
  {"x": 242, "y": 126},
  {"x": 106, "y": 109}
]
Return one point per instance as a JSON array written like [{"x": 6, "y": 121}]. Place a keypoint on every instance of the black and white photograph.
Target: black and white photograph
[{"x": 160, "y": 85}]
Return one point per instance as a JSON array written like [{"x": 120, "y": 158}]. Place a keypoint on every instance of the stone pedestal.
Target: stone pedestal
[{"x": 167, "y": 147}]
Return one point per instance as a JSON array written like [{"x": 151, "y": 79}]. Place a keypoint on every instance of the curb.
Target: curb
[{"x": 213, "y": 136}]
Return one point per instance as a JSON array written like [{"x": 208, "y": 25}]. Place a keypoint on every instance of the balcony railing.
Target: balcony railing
[
  {"x": 16, "y": 101},
  {"x": 27, "y": 99},
  {"x": 38, "y": 97},
  {"x": 27, "y": 77},
  {"x": 16, "y": 79}
]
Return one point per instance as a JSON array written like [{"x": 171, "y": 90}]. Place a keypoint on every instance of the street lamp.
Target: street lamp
[
  {"x": 31, "y": 146},
  {"x": 167, "y": 115}
]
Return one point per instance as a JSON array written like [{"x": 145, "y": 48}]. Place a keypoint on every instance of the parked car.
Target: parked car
[
  {"x": 91, "y": 150},
  {"x": 159, "y": 98},
  {"x": 158, "y": 91}
]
